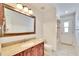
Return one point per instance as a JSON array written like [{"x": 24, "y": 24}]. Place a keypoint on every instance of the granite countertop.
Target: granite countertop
[{"x": 19, "y": 47}]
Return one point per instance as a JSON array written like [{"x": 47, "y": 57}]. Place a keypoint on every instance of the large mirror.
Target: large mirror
[{"x": 17, "y": 23}]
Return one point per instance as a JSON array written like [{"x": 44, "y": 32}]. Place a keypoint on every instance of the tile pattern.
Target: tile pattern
[{"x": 65, "y": 50}]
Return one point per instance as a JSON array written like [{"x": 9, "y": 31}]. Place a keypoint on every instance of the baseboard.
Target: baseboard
[{"x": 66, "y": 44}]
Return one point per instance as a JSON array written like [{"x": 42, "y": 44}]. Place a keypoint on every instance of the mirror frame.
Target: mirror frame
[{"x": 23, "y": 33}]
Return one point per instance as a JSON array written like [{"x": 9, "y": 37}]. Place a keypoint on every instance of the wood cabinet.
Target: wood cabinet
[
  {"x": 1, "y": 14},
  {"x": 37, "y": 50},
  {"x": 1, "y": 18}
]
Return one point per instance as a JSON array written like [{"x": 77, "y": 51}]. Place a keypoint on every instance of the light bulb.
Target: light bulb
[
  {"x": 25, "y": 9},
  {"x": 19, "y": 6},
  {"x": 30, "y": 11},
  {"x": 66, "y": 12}
]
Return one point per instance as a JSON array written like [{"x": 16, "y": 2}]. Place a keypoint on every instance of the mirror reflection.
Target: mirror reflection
[{"x": 16, "y": 22}]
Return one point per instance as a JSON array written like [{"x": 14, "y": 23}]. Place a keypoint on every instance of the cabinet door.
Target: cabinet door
[
  {"x": 34, "y": 50},
  {"x": 27, "y": 52},
  {"x": 38, "y": 50},
  {"x": 41, "y": 49}
]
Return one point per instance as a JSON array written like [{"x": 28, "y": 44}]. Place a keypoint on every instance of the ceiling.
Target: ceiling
[{"x": 62, "y": 7}]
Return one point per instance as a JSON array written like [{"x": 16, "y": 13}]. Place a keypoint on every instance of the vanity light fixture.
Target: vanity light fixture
[
  {"x": 20, "y": 6},
  {"x": 26, "y": 9},
  {"x": 30, "y": 12}
]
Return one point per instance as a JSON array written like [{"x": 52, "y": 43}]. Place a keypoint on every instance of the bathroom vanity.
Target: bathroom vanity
[
  {"x": 33, "y": 47},
  {"x": 15, "y": 26}
]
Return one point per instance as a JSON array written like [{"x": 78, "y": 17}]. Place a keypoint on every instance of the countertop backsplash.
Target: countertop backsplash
[{"x": 16, "y": 38}]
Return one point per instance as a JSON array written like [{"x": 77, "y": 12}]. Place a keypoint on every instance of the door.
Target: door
[{"x": 67, "y": 28}]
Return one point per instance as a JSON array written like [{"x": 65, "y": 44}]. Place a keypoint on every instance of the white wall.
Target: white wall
[
  {"x": 77, "y": 27},
  {"x": 46, "y": 23},
  {"x": 49, "y": 26},
  {"x": 77, "y": 30}
]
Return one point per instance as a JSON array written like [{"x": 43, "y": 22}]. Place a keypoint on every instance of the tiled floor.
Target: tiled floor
[{"x": 65, "y": 50}]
